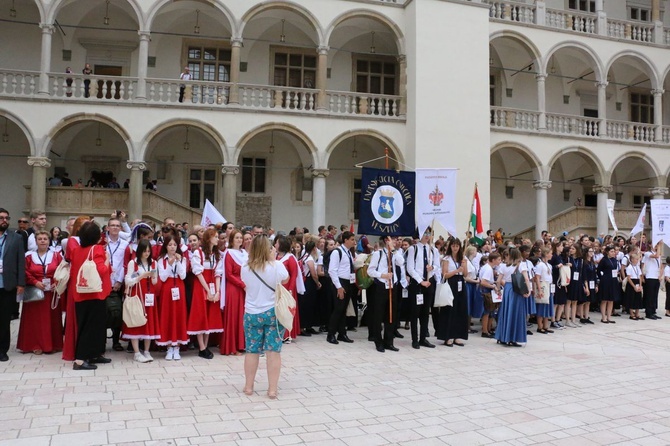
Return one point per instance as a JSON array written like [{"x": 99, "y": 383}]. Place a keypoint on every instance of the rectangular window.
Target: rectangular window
[
  {"x": 209, "y": 63},
  {"x": 202, "y": 186},
  {"x": 640, "y": 200},
  {"x": 582, "y": 5},
  {"x": 253, "y": 175},
  {"x": 295, "y": 68},
  {"x": 357, "y": 183},
  {"x": 641, "y": 14},
  {"x": 376, "y": 75},
  {"x": 642, "y": 108}
]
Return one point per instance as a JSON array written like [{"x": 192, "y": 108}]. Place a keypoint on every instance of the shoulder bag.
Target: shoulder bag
[
  {"x": 133, "y": 308},
  {"x": 32, "y": 294},
  {"x": 88, "y": 278},
  {"x": 444, "y": 297},
  {"x": 519, "y": 284}
]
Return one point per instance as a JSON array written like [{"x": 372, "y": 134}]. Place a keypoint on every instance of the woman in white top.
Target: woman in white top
[
  {"x": 635, "y": 280},
  {"x": 262, "y": 332},
  {"x": 511, "y": 330},
  {"x": 544, "y": 298}
]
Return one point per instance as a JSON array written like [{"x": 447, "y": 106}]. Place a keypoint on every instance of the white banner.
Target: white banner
[
  {"x": 610, "y": 212},
  {"x": 639, "y": 226},
  {"x": 436, "y": 198},
  {"x": 660, "y": 221},
  {"x": 210, "y": 215}
]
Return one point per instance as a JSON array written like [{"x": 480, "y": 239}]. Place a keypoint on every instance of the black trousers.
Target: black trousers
[
  {"x": 419, "y": 313},
  {"x": 7, "y": 301},
  {"x": 651, "y": 288},
  {"x": 338, "y": 318},
  {"x": 91, "y": 329},
  {"x": 381, "y": 316},
  {"x": 181, "y": 93}
]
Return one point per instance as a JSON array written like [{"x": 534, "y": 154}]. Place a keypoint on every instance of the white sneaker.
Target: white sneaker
[
  {"x": 139, "y": 357},
  {"x": 170, "y": 354},
  {"x": 175, "y": 353},
  {"x": 147, "y": 355}
]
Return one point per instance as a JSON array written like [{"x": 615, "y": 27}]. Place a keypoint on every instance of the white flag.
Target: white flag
[
  {"x": 211, "y": 216},
  {"x": 436, "y": 198},
  {"x": 610, "y": 212},
  {"x": 660, "y": 221},
  {"x": 639, "y": 226}
]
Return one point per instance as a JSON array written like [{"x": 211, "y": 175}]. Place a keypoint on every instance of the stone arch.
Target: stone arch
[
  {"x": 522, "y": 39},
  {"x": 530, "y": 156},
  {"x": 287, "y": 5},
  {"x": 647, "y": 67},
  {"x": 641, "y": 156},
  {"x": 24, "y": 128},
  {"x": 156, "y": 7},
  {"x": 58, "y": 4},
  {"x": 585, "y": 49},
  {"x": 208, "y": 129},
  {"x": 81, "y": 117},
  {"x": 601, "y": 176},
  {"x": 362, "y": 132},
  {"x": 41, "y": 10},
  {"x": 281, "y": 126},
  {"x": 357, "y": 13}
]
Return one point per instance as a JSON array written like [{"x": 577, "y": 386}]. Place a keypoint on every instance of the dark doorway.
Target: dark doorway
[
  {"x": 102, "y": 178},
  {"x": 108, "y": 89}
]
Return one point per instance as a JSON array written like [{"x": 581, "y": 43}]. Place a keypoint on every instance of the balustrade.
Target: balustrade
[
  {"x": 630, "y": 131},
  {"x": 262, "y": 96},
  {"x": 580, "y": 22},
  {"x": 106, "y": 88},
  {"x": 19, "y": 83},
  {"x": 513, "y": 11},
  {"x": 515, "y": 119},
  {"x": 624, "y": 29},
  {"x": 341, "y": 102}
]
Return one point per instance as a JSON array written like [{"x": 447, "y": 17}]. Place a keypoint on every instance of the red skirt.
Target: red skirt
[
  {"x": 205, "y": 316},
  {"x": 295, "y": 330},
  {"x": 150, "y": 330},
  {"x": 70, "y": 343},
  {"x": 41, "y": 327},
  {"x": 232, "y": 340},
  {"x": 173, "y": 314}
]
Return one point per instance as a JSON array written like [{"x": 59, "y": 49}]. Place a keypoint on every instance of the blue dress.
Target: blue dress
[
  {"x": 511, "y": 317},
  {"x": 530, "y": 302}
]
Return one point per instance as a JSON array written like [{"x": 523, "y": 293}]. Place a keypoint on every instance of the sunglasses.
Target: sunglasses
[{"x": 23, "y": 221}]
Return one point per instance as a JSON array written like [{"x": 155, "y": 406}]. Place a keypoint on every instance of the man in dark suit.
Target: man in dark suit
[{"x": 12, "y": 278}]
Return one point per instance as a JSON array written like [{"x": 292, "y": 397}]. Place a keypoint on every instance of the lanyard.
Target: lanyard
[
  {"x": 351, "y": 262},
  {"x": 111, "y": 253},
  {"x": 147, "y": 269},
  {"x": 43, "y": 262}
]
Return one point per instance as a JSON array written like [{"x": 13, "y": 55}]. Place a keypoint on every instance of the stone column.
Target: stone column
[
  {"x": 656, "y": 20},
  {"x": 602, "y": 108},
  {"x": 236, "y": 49},
  {"x": 601, "y": 18},
  {"x": 658, "y": 114},
  {"x": 540, "y": 12},
  {"x": 541, "y": 101},
  {"x": 319, "y": 197},
  {"x": 322, "y": 78},
  {"x": 38, "y": 188},
  {"x": 658, "y": 193},
  {"x": 602, "y": 219},
  {"x": 142, "y": 65},
  {"x": 402, "y": 82},
  {"x": 45, "y": 61},
  {"x": 230, "y": 191},
  {"x": 136, "y": 186},
  {"x": 541, "y": 217}
]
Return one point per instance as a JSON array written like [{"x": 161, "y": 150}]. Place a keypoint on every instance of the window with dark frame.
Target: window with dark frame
[
  {"x": 253, "y": 175},
  {"x": 641, "y": 108},
  {"x": 376, "y": 76},
  {"x": 582, "y": 5},
  {"x": 641, "y": 14},
  {"x": 208, "y": 63},
  {"x": 202, "y": 186}
]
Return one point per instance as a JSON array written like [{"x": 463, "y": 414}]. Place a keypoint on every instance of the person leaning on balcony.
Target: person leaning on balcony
[
  {"x": 185, "y": 76},
  {"x": 87, "y": 82}
]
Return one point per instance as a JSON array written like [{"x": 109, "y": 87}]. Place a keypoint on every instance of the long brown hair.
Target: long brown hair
[
  {"x": 204, "y": 244},
  {"x": 260, "y": 253}
]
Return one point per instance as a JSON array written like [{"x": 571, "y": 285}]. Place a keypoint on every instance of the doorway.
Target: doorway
[{"x": 108, "y": 89}]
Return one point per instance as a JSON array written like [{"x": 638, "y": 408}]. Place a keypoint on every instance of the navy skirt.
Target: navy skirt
[{"x": 511, "y": 317}]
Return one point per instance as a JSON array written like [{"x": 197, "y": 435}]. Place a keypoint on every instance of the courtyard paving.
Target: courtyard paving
[{"x": 599, "y": 384}]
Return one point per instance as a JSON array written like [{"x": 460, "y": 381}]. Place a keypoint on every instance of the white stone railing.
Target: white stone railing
[
  {"x": 515, "y": 119},
  {"x": 629, "y": 30},
  {"x": 19, "y": 83},
  {"x": 513, "y": 11},
  {"x": 665, "y": 134},
  {"x": 195, "y": 92},
  {"x": 77, "y": 86},
  {"x": 347, "y": 103},
  {"x": 572, "y": 125},
  {"x": 630, "y": 131},
  {"x": 263, "y": 96},
  {"x": 580, "y": 22}
]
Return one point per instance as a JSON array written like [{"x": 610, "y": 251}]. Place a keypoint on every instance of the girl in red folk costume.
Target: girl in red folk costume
[
  {"x": 142, "y": 278},
  {"x": 41, "y": 328},
  {"x": 70, "y": 342},
  {"x": 141, "y": 231},
  {"x": 232, "y": 341},
  {"x": 205, "y": 317},
  {"x": 172, "y": 272},
  {"x": 295, "y": 282}
]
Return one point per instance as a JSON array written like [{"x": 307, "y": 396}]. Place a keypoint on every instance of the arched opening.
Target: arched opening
[
  {"x": 20, "y": 31},
  {"x": 633, "y": 174},
  {"x": 15, "y": 148}
]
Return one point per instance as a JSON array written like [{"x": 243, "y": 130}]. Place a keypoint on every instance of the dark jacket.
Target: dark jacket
[{"x": 14, "y": 261}]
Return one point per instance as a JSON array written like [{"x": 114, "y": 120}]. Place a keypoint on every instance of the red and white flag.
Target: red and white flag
[{"x": 211, "y": 216}]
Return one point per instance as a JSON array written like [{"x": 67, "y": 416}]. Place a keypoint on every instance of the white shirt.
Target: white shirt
[
  {"x": 544, "y": 271},
  {"x": 379, "y": 264},
  {"x": 116, "y": 251},
  {"x": 666, "y": 271},
  {"x": 260, "y": 298},
  {"x": 32, "y": 244},
  {"x": 133, "y": 277},
  {"x": 415, "y": 262},
  {"x": 473, "y": 267},
  {"x": 652, "y": 266},
  {"x": 341, "y": 266},
  {"x": 633, "y": 271},
  {"x": 176, "y": 270},
  {"x": 486, "y": 273}
]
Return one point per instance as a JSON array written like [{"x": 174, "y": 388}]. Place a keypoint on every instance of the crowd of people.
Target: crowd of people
[{"x": 213, "y": 287}]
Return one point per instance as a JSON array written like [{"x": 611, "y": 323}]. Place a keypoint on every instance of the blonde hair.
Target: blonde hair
[
  {"x": 470, "y": 250},
  {"x": 514, "y": 257},
  {"x": 260, "y": 254}
]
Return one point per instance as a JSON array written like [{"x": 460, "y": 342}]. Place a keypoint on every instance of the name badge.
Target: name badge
[
  {"x": 614, "y": 274},
  {"x": 212, "y": 289},
  {"x": 575, "y": 275},
  {"x": 592, "y": 284},
  {"x": 419, "y": 299},
  {"x": 47, "y": 284},
  {"x": 352, "y": 277},
  {"x": 552, "y": 288},
  {"x": 388, "y": 284},
  {"x": 149, "y": 299},
  {"x": 175, "y": 293},
  {"x": 460, "y": 286},
  {"x": 1, "y": 268},
  {"x": 405, "y": 293}
]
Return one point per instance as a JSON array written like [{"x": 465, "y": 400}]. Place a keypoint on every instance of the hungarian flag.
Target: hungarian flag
[{"x": 476, "y": 220}]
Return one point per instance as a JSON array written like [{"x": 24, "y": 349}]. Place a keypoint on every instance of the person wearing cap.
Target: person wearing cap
[{"x": 184, "y": 76}]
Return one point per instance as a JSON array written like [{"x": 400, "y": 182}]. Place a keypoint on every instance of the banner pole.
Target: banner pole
[{"x": 472, "y": 203}]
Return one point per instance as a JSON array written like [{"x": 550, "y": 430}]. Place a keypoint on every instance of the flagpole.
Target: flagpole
[
  {"x": 472, "y": 203},
  {"x": 386, "y": 157}
]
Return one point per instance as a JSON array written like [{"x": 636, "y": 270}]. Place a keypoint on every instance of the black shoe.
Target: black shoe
[
  {"x": 398, "y": 335},
  {"x": 117, "y": 347},
  {"x": 406, "y": 327},
  {"x": 415, "y": 345},
  {"x": 425, "y": 343},
  {"x": 206, "y": 354},
  {"x": 323, "y": 329},
  {"x": 84, "y": 366},
  {"x": 100, "y": 360},
  {"x": 380, "y": 348},
  {"x": 310, "y": 330},
  {"x": 392, "y": 348},
  {"x": 529, "y": 333},
  {"x": 353, "y": 329},
  {"x": 331, "y": 339},
  {"x": 129, "y": 348},
  {"x": 471, "y": 331},
  {"x": 4, "y": 357},
  {"x": 304, "y": 333},
  {"x": 616, "y": 314},
  {"x": 371, "y": 339},
  {"x": 487, "y": 335},
  {"x": 345, "y": 338}
]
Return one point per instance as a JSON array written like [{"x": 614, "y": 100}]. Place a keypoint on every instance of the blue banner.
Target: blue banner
[{"x": 387, "y": 202}]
